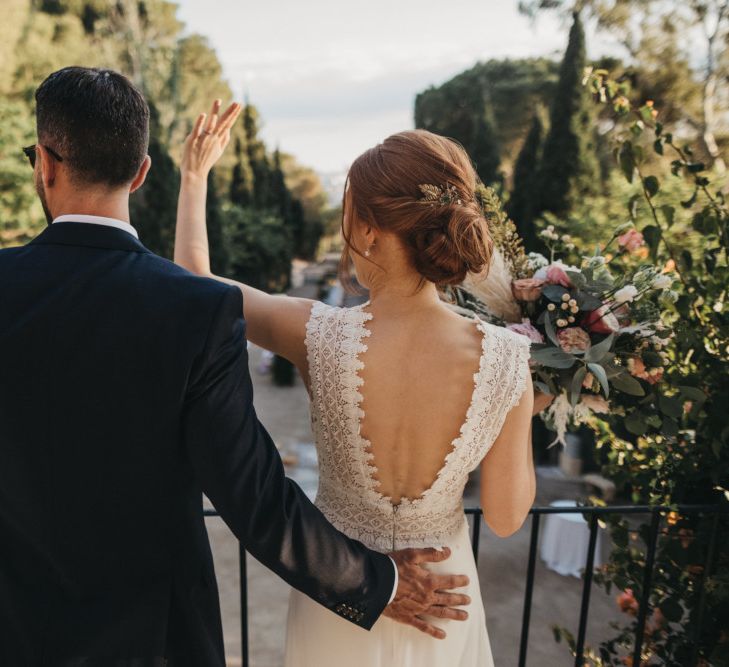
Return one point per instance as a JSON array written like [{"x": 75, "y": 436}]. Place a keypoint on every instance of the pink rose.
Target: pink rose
[
  {"x": 557, "y": 276},
  {"x": 627, "y": 602},
  {"x": 631, "y": 240},
  {"x": 525, "y": 328},
  {"x": 573, "y": 339},
  {"x": 527, "y": 289},
  {"x": 601, "y": 321}
]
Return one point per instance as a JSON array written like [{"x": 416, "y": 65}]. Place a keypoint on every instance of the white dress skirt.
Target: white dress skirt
[{"x": 318, "y": 638}]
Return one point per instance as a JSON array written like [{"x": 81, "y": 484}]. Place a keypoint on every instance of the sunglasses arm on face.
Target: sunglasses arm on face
[{"x": 30, "y": 153}]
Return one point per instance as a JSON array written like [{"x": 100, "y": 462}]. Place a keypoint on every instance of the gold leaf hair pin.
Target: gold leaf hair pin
[{"x": 435, "y": 195}]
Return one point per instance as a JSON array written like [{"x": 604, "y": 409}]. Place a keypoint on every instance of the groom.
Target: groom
[{"x": 124, "y": 396}]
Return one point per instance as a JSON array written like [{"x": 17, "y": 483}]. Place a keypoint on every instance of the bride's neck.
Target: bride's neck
[{"x": 403, "y": 296}]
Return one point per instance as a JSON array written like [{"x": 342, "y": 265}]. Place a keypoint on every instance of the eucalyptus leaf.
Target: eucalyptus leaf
[
  {"x": 553, "y": 358},
  {"x": 541, "y": 386},
  {"x": 598, "y": 351},
  {"x": 577, "y": 279},
  {"x": 549, "y": 330},
  {"x": 587, "y": 301},
  {"x": 554, "y": 292},
  {"x": 599, "y": 372},
  {"x": 576, "y": 387}
]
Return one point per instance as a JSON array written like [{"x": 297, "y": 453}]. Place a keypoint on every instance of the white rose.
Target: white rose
[
  {"x": 662, "y": 282},
  {"x": 626, "y": 294}
]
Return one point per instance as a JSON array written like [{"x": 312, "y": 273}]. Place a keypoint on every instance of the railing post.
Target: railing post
[
  {"x": 646, "y": 590},
  {"x": 528, "y": 591},
  {"x": 586, "y": 587},
  {"x": 708, "y": 567},
  {"x": 243, "y": 574},
  {"x": 476, "y": 534}
]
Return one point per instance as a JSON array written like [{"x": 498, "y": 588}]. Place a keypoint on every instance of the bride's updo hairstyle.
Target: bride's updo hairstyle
[{"x": 421, "y": 187}]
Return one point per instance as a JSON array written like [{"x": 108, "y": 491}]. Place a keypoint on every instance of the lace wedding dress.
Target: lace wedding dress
[{"x": 349, "y": 498}]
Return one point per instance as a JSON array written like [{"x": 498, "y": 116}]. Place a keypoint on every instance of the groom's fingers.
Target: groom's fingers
[
  {"x": 447, "y": 612},
  {"x": 430, "y": 555},
  {"x": 426, "y": 627},
  {"x": 447, "y": 582},
  {"x": 452, "y": 600}
]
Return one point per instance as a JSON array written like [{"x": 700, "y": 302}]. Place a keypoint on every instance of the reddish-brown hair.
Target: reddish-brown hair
[{"x": 445, "y": 241}]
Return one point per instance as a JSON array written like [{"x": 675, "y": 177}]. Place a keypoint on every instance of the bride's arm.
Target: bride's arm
[
  {"x": 277, "y": 323},
  {"x": 508, "y": 481}
]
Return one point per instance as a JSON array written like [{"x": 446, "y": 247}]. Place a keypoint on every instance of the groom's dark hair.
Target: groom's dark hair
[{"x": 96, "y": 120}]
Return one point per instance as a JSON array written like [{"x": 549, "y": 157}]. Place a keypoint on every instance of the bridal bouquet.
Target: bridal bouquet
[{"x": 595, "y": 327}]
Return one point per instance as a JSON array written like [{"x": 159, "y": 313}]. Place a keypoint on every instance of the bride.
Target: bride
[{"x": 407, "y": 397}]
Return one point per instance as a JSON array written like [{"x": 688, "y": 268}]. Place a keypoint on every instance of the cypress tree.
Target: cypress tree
[
  {"x": 241, "y": 181},
  {"x": 154, "y": 206},
  {"x": 279, "y": 195},
  {"x": 257, "y": 158},
  {"x": 483, "y": 146},
  {"x": 569, "y": 166},
  {"x": 521, "y": 204}
]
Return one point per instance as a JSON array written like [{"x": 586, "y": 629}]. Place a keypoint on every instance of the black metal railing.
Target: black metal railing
[{"x": 592, "y": 515}]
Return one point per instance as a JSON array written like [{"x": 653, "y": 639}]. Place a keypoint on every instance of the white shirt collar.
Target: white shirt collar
[{"x": 98, "y": 220}]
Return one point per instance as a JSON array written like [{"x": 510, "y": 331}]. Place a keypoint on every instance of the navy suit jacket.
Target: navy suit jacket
[{"x": 124, "y": 396}]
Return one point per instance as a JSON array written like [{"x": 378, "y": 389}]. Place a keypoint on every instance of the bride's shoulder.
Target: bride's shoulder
[{"x": 505, "y": 336}]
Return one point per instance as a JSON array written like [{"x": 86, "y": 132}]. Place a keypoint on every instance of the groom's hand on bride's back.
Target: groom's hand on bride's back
[{"x": 421, "y": 592}]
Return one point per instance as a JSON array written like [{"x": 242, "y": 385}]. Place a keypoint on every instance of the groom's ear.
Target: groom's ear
[
  {"x": 47, "y": 166},
  {"x": 141, "y": 175}
]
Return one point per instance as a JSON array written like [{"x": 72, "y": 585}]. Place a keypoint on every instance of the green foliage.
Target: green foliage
[
  {"x": 675, "y": 447},
  {"x": 569, "y": 168},
  {"x": 488, "y": 109},
  {"x": 521, "y": 202},
  {"x": 153, "y": 207},
  {"x": 21, "y": 216},
  {"x": 260, "y": 247}
]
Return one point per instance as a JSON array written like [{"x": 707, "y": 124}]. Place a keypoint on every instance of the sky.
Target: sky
[{"x": 333, "y": 78}]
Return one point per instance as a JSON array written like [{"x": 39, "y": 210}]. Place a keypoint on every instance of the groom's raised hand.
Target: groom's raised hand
[{"x": 421, "y": 592}]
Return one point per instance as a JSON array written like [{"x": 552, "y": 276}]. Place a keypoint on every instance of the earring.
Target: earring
[{"x": 368, "y": 252}]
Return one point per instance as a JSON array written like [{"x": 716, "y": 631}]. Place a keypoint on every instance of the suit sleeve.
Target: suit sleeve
[{"x": 240, "y": 470}]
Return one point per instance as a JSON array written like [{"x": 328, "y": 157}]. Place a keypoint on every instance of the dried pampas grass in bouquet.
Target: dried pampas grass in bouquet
[{"x": 489, "y": 294}]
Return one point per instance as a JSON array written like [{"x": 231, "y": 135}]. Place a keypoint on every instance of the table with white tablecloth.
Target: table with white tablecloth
[{"x": 565, "y": 541}]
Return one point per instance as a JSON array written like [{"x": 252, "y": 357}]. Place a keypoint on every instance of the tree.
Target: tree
[
  {"x": 261, "y": 248},
  {"x": 21, "y": 216},
  {"x": 458, "y": 110},
  {"x": 241, "y": 182},
  {"x": 153, "y": 207},
  {"x": 496, "y": 97},
  {"x": 692, "y": 36},
  {"x": 257, "y": 157},
  {"x": 569, "y": 168},
  {"x": 521, "y": 203}
]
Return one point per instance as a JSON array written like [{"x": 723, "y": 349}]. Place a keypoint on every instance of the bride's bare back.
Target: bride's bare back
[{"x": 418, "y": 383}]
